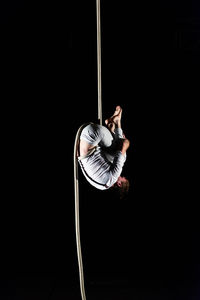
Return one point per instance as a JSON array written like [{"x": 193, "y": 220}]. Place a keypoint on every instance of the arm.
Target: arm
[
  {"x": 125, "y": 146},
  {"x": 118, "y": 163}
]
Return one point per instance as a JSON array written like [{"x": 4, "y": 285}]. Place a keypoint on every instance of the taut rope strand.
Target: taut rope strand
[{"x": 99, "y": 61}]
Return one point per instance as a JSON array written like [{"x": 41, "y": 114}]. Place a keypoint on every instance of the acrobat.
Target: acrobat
[{"x": 102, "y": 154}]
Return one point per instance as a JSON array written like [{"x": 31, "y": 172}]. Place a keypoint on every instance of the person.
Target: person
[{"x": 102, "y": 154}]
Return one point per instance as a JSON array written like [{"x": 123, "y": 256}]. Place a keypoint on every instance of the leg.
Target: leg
[
  {"x": 114, "y": 124},
  {"x": 93, "y": 135},
  {"x": 114, "y": 121},
  {"x": 84, "y": 147}
]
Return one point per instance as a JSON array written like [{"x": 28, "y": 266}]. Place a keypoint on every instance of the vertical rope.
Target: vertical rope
[
  {"x": 77, "y": 218},
  {"x": 99, "y": 60},
  {"x": 76, "y": 182}
]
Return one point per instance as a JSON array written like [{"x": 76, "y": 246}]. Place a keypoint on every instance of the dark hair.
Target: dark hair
[{"x": 122, "y": 191}]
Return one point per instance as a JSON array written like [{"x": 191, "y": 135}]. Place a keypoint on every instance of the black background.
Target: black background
[{"x": 146, "y": 246}]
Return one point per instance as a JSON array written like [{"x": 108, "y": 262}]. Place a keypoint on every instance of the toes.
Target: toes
[{"x": 118, "y": 110}]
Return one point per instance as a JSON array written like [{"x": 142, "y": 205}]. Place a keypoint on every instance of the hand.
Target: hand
[{"x": 123, "y": 145}]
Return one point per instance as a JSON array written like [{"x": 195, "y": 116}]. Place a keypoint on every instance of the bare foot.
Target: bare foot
[{"x": 116, "y": 117}]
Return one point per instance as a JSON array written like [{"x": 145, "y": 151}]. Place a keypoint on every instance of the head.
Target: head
[{"x": 121, "y": 186}]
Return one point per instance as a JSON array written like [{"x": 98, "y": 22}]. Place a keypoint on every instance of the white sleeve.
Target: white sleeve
[
  {"x": 118, "y": 133},
  {"x": 116, "y": 168}
]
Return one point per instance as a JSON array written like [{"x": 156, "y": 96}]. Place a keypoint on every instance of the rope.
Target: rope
[
  {"x": 77, "y": 218},
  {"x": 99, "y": 61},
  {"x": 76, "y": 144}
]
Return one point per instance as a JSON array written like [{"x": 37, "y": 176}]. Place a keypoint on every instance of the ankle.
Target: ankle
[{"x": 118, "y": 124}]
